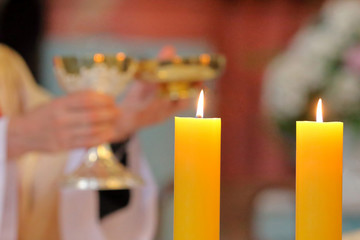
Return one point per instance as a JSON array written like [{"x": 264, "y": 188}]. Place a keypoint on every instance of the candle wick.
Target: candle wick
[{"x": 199, "y": 116}]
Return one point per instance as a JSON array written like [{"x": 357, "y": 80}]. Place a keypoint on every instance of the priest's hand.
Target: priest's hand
[
  {"x": 143, "y": 106},
  {"x": 82, "y": 119}
]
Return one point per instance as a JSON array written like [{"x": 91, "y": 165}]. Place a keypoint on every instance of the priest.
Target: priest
[{"x": 42, "y": 138}]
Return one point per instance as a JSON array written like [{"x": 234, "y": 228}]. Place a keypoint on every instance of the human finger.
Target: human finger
[
  {"x": 173, "y": 107},
  {"x": 181, "y": 104},
  {"x": 85, "y": 99},
  {"x": 90, "y": 130},
  {"x": 148, "y": 90},
  {"x": 85, "y": 117},
  {"x": 84, "y": 141},
  {"x": 73, "y": 137}
]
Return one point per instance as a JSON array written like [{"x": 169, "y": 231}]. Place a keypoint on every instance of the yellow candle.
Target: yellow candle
[
  {"x": 197, "y": 179},
  {"x": 319, "y": 152}
]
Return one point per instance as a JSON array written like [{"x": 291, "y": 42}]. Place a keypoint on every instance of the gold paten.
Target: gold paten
[{"x": 179, "y": 76}]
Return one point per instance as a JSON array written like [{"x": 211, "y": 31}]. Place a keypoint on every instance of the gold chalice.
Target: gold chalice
[
  {"x": 109, "y": 74},
  {"x": 178, "y": 76}
]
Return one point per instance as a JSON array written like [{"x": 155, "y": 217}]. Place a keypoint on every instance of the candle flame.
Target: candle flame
[
  {"x": 200, "y": 107},
  {"x": 319, "y": 114}
]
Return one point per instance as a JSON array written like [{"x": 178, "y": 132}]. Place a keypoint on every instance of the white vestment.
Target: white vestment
[{"x": 32, "y": 204}]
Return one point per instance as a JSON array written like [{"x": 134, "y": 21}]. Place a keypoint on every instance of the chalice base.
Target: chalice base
[{"x": 100, "y": 170}]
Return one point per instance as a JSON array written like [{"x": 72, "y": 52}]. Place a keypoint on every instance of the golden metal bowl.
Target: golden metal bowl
[
  {"x": 108, "y": 74},
  {"x": 104, "y": 73},
  {"x": 179, "y": 76}
]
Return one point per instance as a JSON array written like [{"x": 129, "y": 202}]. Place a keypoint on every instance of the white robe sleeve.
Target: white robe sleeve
[
  {"x": 79, "y": 210},
  {"x": 8, "y": 189},
  {"x": 138, "y": 220}
]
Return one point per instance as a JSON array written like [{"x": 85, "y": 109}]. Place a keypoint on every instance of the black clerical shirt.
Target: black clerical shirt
[{"x": 113, "y": 200}]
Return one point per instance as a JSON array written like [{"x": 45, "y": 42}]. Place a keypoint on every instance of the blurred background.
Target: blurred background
[{"x": 281, "y": 55}]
